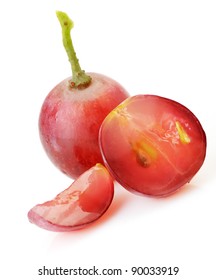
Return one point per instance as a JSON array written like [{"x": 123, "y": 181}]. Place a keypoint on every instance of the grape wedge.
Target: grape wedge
[{"x": 85, "y": 201}]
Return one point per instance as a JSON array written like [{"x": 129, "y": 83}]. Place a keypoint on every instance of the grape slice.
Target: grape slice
[
  {"x": 152, "y": 145},
  {"x": 85, "y": 201}
]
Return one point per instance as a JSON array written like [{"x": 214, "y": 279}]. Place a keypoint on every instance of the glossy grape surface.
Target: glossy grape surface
[
  {"x": 152, "y": 145},
  {"x": 70, "y": 119},
  {"x": 85, "y": 201}
]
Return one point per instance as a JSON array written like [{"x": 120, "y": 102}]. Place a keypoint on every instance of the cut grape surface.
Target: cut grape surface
[
  {"x": 152, "y": 145},
  {"x": 86, "y": 200}
]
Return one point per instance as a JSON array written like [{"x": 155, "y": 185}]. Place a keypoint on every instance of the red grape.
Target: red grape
[
  {"x": 73, "y": 111},
  {"x": 152, "y": 145},
  {"x": 85, "y": 201}
]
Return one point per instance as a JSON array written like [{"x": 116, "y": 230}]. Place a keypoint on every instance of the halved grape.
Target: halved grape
[{"x": 152, "y": 145}]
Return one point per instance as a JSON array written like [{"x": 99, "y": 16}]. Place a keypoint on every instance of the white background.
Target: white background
[{"x": 163, "y": 47}]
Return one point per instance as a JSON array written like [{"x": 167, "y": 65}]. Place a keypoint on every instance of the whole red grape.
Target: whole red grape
[{"x": 73, "y": 111}]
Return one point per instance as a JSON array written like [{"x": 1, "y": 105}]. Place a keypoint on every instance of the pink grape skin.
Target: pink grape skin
[{"x": 70, "y": 119}]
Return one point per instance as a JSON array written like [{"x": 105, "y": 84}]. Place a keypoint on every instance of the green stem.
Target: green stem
[{"x": 79, "y": 77}]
